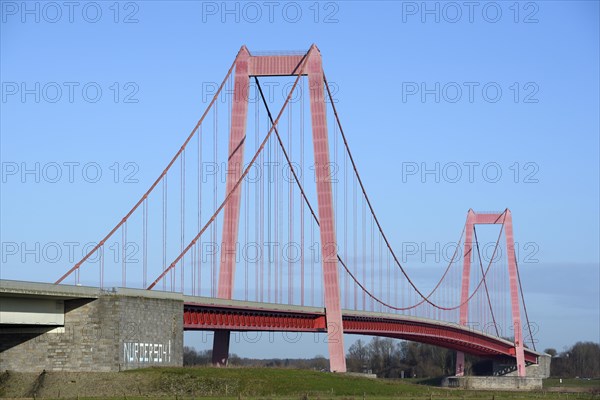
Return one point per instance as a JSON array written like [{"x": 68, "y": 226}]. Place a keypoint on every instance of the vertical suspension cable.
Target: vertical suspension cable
[
  {"x": 312, "y": 262},
  {"x": 276, "y": 224},
  {"x": 302, "y": 182},
  {"x": 334, "y": 183},
  {"x": 182, "y": 215},
  {"x": 101, "y": 252},
  {"x": 372, "y": 264},
  {"x": 199, "y": 256},
  {"x": 355, "y": 237},
  {"x": 494, "y": 291},
  {"x": 389, "y": 300},
  {"x": 380, "y": 272},
  {"x": 262, "y": 228},
  {"x": 77, "y": 277},
  {"x": 193, "y": 270},
  {"x": 505, "y": 295},
  {"x": 164, "y": 229},
  {"x": 229, "y": 113},
  {"x": 364, "y": 248},
  {"x": 523, "y": 300},
  {"x": 291, "y": 207},
  {"x": 246, "y": 189},
  {"x": 213, "y": 227},
  {"x": 258, "y": 221},
  {"x": 270, "y": 260},
  {"x": 346, "y": 277},
  {"x": 145, "y": 242},
  {"x": 406, "y": 294},
  {"x": 389, "y": 283},
  {"x": 197, "y": 269},
  {"x": 124, "y": 253},
  {"x": 280, "y": 230}
]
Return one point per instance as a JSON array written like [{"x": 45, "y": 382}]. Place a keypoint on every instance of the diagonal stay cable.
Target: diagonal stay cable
[
  {"x": 484, "y": 282},
  {"x": 524, "y": 306},
  {"x": 425, "y": 299},
  {"x": 375, "y": 216},
  {"x": 310, "y": 207},
  {"x": 379, "y": 227},
  {"x": 433, "y": 304},
  {"x": 242, "y": 176},
  {"x": 156, "y": 182}
]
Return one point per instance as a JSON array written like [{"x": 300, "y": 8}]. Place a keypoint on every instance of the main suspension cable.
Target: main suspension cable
[
  {"x": 156, "y": 182},
  {"x": 242, "y": 176},
  {"x": 311, "y": 209}
]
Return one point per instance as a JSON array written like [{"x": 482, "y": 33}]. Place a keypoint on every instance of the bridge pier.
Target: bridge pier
[
  {"x": 220, "y": 352},
  {"x": 460, "y": 363},
  {"x": 508, "y": 367}
]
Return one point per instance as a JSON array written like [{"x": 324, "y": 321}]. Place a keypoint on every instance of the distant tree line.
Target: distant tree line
[
  {"x": 580, "y": 360},
  {"x": 191, "y": 357},
  {"x": 390, "y": 358},
  {"x": 382, "y": 356}
]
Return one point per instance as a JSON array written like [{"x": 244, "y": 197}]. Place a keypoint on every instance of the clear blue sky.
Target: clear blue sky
[{"x": 542, "y": 56}]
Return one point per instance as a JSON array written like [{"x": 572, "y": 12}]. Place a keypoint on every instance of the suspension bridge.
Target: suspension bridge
[{"x": 253, "y": 229}]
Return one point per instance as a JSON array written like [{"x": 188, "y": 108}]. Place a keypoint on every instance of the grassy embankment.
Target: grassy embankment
[{"x": 253, "y": 383}]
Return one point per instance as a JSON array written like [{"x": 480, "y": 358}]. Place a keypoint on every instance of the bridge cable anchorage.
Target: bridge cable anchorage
[
  {"x": 484, "y": 282},
  {"x": 425, "y": 298},
  {"x": 156, "y": 182},
  {"x": 242, "y": 176}
]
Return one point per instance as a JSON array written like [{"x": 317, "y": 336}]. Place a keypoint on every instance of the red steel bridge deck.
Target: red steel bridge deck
[{"x": 211, "y": 314}]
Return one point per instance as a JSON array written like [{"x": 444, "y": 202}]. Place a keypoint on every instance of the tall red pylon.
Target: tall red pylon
[
  {"x": 505, "y": 219},
  {"x": 237, "y": 135},
  {"x": 310, "y": 64}
]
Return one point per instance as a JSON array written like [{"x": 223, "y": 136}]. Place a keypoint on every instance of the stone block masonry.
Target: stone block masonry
[
  {"x": 493, "y": 382},
  {"x": 116, "y": 331}
]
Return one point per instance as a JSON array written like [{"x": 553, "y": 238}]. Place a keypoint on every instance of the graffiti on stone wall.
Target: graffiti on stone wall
[{"x": 141, "y": 352}]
